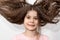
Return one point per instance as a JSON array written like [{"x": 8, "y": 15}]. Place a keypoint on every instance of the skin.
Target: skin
[{"x": 31, "y": 24}]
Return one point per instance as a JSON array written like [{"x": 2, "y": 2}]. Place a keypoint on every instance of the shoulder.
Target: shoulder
[
  {"x": 18, "y": 37},
  {"x": 43, "y": 37}
]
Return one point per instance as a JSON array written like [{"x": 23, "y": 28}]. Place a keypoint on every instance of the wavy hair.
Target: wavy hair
[{"x": 15, "y": 11}]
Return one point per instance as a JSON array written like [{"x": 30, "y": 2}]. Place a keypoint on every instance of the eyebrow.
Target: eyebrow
[{"x": 29, "y": 15}]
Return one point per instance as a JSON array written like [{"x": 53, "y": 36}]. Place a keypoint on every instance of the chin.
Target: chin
[{"x": 31, "y": 29}]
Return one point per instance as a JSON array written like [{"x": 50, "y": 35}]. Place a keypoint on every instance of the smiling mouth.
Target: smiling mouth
[{"x": 31, "y": 25}]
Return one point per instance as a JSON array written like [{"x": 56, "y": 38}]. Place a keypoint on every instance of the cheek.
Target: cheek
[
  {"x": 36, "y": 23},
  {"x": 25, "y": 21}
]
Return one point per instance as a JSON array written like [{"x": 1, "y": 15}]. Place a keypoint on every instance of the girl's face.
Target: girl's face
[{"x": 31, "y": 20}]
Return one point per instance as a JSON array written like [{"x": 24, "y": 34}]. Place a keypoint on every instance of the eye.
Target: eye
[
  {"x": 35, "y": 18},
  {"x": 28, "y": 17}
]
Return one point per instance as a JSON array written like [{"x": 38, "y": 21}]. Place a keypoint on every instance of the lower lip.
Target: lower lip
[{"x": 30, "y": 25}]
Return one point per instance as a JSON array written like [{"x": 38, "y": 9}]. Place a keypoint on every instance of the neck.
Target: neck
[{"x": 31, "y": 33}]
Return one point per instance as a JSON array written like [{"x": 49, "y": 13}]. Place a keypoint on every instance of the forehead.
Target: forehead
[{"x": 32, "y": 13}]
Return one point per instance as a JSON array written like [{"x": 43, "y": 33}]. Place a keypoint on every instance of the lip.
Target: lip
[{"x": 30, "y": 25}]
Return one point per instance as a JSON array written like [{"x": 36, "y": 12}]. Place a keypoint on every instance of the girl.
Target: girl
[{"x": 32, "y": 16}]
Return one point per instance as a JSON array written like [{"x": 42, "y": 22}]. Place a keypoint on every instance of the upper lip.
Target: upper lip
[{"x": 30, "y": 24}]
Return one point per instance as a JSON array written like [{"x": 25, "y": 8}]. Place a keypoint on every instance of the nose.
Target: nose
[{"x": 32, "y": 20}]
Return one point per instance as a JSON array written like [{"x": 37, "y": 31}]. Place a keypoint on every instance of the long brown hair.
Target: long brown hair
[{"x": 15, "y": 11}]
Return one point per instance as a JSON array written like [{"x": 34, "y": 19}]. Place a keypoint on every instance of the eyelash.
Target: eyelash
[
  {"x": 28, "y": 17},
  {"x": 34, "y": 18}
]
